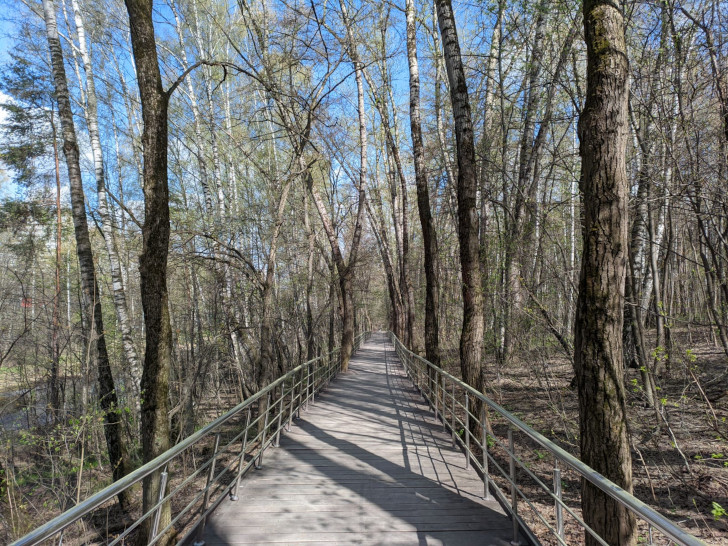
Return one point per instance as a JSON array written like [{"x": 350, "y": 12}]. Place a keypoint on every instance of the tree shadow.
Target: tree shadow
[{"x": 382, "y": 479}]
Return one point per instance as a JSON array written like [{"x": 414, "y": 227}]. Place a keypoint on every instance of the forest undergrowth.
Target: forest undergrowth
[
  {"x": 680, "y": 467},
  {"x": 680, "y": 464}
]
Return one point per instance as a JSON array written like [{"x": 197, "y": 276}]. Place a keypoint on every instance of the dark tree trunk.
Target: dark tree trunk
[
  {"x": 429, "y": 235},
  {"x": 91, "y": 297},
  {"x": 155, "y": 248},
  {"x": 471, "y": 339},
  {"x": 346, "y": 270},
  {"x": 600, "y": 306},
  {"x": 519, "y": 222},
  {"x": 395, "y": 297}
]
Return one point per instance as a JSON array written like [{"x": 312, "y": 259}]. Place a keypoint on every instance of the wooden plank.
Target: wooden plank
[
  {"x": 367, "y": 464},
  {"x": 419, "y": 538}
]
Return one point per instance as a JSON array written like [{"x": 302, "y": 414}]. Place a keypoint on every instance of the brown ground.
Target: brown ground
[{"x": 680, "y": 470}]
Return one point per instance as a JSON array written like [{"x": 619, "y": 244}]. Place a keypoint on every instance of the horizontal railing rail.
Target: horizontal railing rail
[
  {"x": 218, "y": 474},
  {"x": 440, "y": 388}
]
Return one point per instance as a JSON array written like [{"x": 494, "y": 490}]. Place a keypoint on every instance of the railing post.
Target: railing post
[
  {"x": 436, "y": 385},
  {"x": 486, "y": 476},
  {"x": 259, "y": 462},
  {"x": 299, "y": 395},
  {"x": 208, "y": 483},
  {"x": 557, "y": 494},
  {"x": 241, "y": 460},
  {"x": 429, "y": 371},
  {"x": 452, "y": 413},
  {"x": 467, "y": 431},
  {"x": 308, "y": 383},
  {"x": 514, "y": 489},
  {"x": 313, "y": 383},
  {"x": 444, "y": 404},
  {"x": 280, "y": 414},
  {"x": 158, "y": 511},
  {"x": 421, "y": 370},
  {"x": 290, "y": 410}
]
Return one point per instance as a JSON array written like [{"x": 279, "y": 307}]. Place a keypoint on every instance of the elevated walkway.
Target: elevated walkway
[{"x": 367, "y": 464}]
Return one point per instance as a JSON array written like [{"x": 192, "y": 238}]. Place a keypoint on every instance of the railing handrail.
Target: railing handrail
[
  {"x": 610, "y": 488},
  {"x": 88, "y": 505}
]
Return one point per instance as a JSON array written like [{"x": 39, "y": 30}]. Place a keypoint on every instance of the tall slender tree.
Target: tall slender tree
[
  {"x": 155, "y": 249},
  {"x": 91, "y": 296},
  {"x": 346, "y": 268},
  {"x": 598, "y": 360},
  {"x": 471, "y": 338},
  {"x": 429, "y": 235},
  {"x": 108, "y": 225}
]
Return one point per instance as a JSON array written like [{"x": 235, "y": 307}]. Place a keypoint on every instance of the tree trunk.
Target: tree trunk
[
  {"x": 153, "y": 259},
  {"x": 441, "y": 138},
  {"x": 266, "y": 371},
  {"x": 346, "y": 270},
  {"x": 429, "y": 235},
  {"x": 91, "y": 296},
  {"x": 604, "y": 438},
  {"x": 310, "y": 338},
  {"x": 55, "y": 341},
  {"x": 519, "y": 221},
  {"x": 471, "y": 339},
  {"x": 107, "y": 220},
  {"x": 395, "y": 296},
  {"x": 488, "y": 138}
]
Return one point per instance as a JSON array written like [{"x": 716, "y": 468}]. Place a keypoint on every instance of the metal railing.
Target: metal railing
[
  {"x": 453, "y": 401},
  {"x": 234, "y": 442}
]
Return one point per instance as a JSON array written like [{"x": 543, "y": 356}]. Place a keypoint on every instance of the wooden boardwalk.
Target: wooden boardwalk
[{"x": 367, "y": 464}]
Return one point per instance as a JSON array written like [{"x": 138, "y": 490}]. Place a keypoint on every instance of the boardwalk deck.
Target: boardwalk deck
[{"x": 367, "y": 464}]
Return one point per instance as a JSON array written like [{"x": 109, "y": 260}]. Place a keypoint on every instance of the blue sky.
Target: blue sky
[
  {"x": 6, "y": 30},
  {"x": 5, "y": 44}
]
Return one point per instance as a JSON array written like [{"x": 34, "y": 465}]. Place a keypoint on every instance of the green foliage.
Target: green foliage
[
  {"x": 17, "y": 215},
  {"x": 660, "y": 354},
  {"x": 26, "y": 130},
  {"x": 691, "y": 356},
  {"x": 718, "y": 511}
]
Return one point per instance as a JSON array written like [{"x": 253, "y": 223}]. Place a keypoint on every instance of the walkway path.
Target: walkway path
[{"x": 367, "y": 464}]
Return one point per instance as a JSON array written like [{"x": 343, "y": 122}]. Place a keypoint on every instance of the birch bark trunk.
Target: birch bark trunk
[
  {"x": 107, "y": 218},
  {"x": 91, "y": 296},
  {"x": 429, "y": 235}
]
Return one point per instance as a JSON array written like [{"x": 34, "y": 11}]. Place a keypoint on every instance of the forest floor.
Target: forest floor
[{"x": 680, "y": 468}]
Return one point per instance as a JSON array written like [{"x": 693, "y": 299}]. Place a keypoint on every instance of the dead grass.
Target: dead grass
[{"x": 680, "y": 467}]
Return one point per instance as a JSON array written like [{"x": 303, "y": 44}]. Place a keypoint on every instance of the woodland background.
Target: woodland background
[{"x": 264, "y": 150}]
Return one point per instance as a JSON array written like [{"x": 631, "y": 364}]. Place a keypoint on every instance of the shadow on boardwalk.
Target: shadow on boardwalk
[{"x": 366, "y": 465}]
